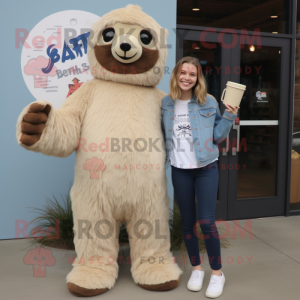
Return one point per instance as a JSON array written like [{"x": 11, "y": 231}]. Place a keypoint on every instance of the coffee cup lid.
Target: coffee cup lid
[{"x": 236, "y": 85}]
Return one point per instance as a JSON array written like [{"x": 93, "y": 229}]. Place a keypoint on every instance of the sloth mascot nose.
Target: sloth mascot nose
[{"x": 125, "y": 47}]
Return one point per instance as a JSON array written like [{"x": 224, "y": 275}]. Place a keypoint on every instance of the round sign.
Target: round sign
[{"x": 54, "y": 56}]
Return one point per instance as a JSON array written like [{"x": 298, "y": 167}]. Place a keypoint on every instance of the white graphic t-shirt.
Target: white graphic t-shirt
[{"x": 182, "y": 154}]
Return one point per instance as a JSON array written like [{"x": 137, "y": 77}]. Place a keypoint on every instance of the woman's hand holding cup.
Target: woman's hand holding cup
[{"x": 231, "y": 109}]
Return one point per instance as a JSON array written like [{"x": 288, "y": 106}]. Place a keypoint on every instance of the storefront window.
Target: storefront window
[
  {"x": 295, "y": 164},
  {"x": 298, "y": 18},
  {"x": 265, "y": 15}
]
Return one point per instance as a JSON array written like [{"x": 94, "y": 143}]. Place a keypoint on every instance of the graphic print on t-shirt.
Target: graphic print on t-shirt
[{"x": 182, "y": 126}]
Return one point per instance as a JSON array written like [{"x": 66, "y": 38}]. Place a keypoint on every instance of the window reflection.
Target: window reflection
[{"x": 295, "y": 158}]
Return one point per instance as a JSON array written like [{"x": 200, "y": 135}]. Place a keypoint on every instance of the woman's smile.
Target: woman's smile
[{"x": 186, "y": 83}]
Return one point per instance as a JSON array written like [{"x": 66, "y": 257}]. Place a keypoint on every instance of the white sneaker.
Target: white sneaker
[
  {"x": 195, "y": 281},
  {"x": 215, "y": 287}
]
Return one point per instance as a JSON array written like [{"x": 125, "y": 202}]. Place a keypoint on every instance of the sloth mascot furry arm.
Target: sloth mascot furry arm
[{"x": 113, "y": 123}]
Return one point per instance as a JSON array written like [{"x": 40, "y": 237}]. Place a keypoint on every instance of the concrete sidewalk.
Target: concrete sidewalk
[{"x": 268, "y": 268}]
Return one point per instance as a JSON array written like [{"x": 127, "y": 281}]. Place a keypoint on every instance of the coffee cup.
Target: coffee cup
[{"x": 234, "y": 93}]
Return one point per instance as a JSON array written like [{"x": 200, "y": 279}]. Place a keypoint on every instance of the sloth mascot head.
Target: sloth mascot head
[{"x": 126, "y": 45}]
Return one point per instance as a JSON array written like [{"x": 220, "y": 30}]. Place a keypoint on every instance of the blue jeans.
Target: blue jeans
[{"x": 204, "y": 181}]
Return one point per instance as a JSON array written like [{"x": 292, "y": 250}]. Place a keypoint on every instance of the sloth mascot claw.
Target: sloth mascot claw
[{"x": 112, "y": 122}]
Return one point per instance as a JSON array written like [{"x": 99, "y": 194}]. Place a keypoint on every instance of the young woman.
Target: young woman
[{"x": 192, "y": 126}]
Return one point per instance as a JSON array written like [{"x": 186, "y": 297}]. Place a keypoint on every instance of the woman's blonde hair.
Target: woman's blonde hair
[{"x": 199, "y": 89}]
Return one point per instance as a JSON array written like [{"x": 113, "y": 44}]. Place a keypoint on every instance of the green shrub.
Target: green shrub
[{"x": 52, "y": 213}]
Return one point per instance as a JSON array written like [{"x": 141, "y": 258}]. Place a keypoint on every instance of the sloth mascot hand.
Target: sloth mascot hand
[{"x": 113, "y": 123}]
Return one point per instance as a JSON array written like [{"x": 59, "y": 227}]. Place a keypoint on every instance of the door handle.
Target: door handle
[{"x": 236, "y": 126}]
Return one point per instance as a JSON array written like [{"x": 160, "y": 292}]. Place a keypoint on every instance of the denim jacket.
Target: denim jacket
[{"x": 207, "y": 124}]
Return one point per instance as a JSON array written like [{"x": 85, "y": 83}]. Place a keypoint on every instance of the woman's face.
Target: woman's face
[{"x": 187, "y": 76}]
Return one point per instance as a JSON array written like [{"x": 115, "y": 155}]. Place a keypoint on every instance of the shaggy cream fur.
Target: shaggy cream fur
[{"x": 115, "y": 106}]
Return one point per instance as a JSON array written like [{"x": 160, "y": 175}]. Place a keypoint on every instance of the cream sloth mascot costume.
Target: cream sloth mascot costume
[{"x": 112, "y": 123}]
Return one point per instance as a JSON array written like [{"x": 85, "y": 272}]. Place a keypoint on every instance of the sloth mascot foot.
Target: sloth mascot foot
[
  {"x": 166, "y": 286},
  {"x": 157, "y": 276},
  {"x": 79, "y": 291},
  {"x": 85, "y": 281}
]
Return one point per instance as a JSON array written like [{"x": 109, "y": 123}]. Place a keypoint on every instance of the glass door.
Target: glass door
[
  {"x": 252, "y": 164},
  {"x": 257, "y": 187}
]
